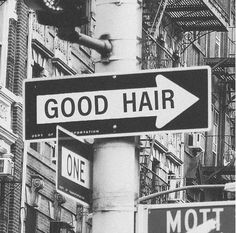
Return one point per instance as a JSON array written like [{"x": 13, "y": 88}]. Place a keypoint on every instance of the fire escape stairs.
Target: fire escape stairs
[
  {"x": 153, "y": 12},
  {"x": 219, "y": 69},
  {"x": 188, "y": 15}
]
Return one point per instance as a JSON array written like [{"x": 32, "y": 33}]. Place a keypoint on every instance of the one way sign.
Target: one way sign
[{"x": 119, "y": 104}]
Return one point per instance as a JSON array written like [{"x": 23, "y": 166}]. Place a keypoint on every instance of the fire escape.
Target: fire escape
[
  {"x": 224, "y": 69},
  {"x": 196, "y": 15},
  {"x": 151, "y": 181},
  {"x": 185, "y": 17}
]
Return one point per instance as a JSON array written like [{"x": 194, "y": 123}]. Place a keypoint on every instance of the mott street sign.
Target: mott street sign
[
  {"x": 119, "y": 104},
  {"x": 218, "y": 217},
  {"x": 74, "y": 167}
]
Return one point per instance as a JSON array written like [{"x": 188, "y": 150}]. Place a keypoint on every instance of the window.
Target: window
[
  {"x": 190, "y": 139},
  {"x": 46, "y": 149},
  {"x": 214, "y": 159},
  {"x": 196, "y": 57},
  {"x": 2, "y": 40},
  {"x": 50, "y": 38},
  {"x": 0, "y": 53},
  {"x": 59, "y": 72},
  {"x": 215, "y": 130},
  {"x": 1, "y": 166},
  {"x": 155, "y": 178},
  {"x": 232, "y": 41},
  {"x": 217, "y": 44},
  {"x": 37, "y": 71},
  {"x": 207, "y": 52},
  {"x": 157, "y": 155},
  {"x": 197, "y": 36},
  {"x": 31, "y": 220},
  {"x": 35, "y": 146},
  {"x": 49, "y": 151},
  {"x": 7, "y": 12},
  {"x": 85, "y": 29}
]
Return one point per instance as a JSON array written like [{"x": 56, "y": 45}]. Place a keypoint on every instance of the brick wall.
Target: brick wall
[
  {"x": 4, "y": 207},
  {"x": 17, "y": 150},
  {"x": 11, "y": 54},
  {"x": 16, "y": 72},
  {"x": 21, "y": 47}
]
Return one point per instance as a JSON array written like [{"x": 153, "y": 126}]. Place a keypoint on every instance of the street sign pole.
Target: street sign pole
[{"x": 115, "y": 168}]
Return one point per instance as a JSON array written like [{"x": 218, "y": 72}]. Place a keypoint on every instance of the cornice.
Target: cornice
[
  {"x": 8, "y": 136},
  {"x": 174, "y": 158},
  {"x": 43, "y": 49},
  {"x": 10, "y": 96},
  {"x": 59, "y": 63}
]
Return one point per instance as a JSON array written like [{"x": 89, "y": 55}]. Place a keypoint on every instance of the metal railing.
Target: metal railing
[{"x": 150, "y": 183}]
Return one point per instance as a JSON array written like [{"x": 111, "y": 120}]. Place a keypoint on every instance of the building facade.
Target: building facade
[
  {"x": 12, "y": 72},
  {"x": 175, "y": 34},
  {"x": 195, "y": 33}
]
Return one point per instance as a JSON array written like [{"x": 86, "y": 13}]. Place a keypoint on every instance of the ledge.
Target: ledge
[
  {"x": 8, "y": 136},
  {"x": 174, "y": 158},
  {"x": 59, "y": 63},
  {"x": 40, "y": 47}
]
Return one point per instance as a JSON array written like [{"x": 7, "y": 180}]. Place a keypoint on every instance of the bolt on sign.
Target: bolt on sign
[
  {"x": 176, "y": 99},
  {"x": 74, "y": 167},
  {"x": 217, "y": 217}
]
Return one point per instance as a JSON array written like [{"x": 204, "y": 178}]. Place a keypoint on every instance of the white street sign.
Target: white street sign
[
  {"x": 75, "y": 167},
  {"x": 196, "y": 217},
  {"x": 117, "y": 105},
  {"x": 165, "y": 101}
]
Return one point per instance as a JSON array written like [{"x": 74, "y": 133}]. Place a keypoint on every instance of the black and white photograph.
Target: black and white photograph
[{"x": 117, "y": 116}]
